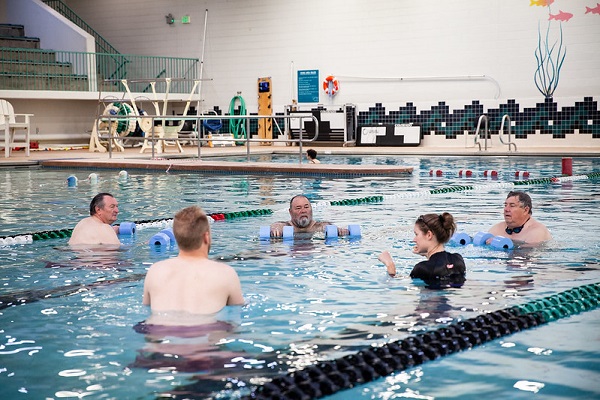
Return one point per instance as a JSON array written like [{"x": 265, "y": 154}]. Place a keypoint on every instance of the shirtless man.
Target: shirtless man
[
  {"x": 301, "y": 218},
  {"x": 311, "y": 155},
  {"x": 518, "y": 224},
  {"x": 97, "y": 229},
  {"x": 191, "y": 282}
]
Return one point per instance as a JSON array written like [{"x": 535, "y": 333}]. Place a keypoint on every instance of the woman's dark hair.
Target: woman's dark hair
[
  {"x": 311, "y": 153},
  {"x": 98, "y": 201},
  {"x": 442, "y": 226}
]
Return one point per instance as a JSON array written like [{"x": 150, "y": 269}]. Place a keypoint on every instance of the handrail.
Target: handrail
[
  {"x": 102, "y": 44},
  {"x": 483, "y": 118},
  {"x": 506, "y": 117},
  {"x": 153, "y": 138}
]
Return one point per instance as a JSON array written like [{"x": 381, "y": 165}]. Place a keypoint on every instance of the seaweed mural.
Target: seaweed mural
[
  {"x": 549, "y": 57},
  {"x": 549, "y": 63}
]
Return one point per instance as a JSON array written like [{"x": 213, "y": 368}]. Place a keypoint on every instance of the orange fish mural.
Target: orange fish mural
[
  {"x": 561, "y": 16},
  {"x": 541, "y": 3},
  {"x": 595, "y": 10}
]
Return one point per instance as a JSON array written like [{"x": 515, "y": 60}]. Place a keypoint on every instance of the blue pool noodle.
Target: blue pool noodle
[
  {"x": 127, "y": 228},
  {"x": 160, "y": 239},
  {"x": 502, "y": 243}
]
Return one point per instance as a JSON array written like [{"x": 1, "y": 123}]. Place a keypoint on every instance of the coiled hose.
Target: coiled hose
[{"x": 237, "y": 127}]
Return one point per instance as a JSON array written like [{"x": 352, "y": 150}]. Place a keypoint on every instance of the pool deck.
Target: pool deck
[{"x": 132, "y": 159}]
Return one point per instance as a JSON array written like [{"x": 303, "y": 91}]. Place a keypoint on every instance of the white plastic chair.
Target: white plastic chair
[{"x": 9, "y": 124}]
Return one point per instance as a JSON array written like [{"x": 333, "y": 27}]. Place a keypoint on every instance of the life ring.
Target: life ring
[{"x": 331, "y": 85}]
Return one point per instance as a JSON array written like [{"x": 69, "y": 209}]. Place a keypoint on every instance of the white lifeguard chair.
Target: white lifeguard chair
[{"x": 12, "y": 124}]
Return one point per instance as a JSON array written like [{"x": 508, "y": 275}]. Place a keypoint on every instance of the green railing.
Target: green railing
[
  {"x": 117, "y": 64},
  {"x": 102, "y": 45},
  {"x": 34, "y": 69}
]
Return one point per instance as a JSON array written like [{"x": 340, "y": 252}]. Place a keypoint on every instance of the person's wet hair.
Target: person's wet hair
[
  {"x": 98, "y": 201},
  {"x": 441, "y": 225},
  {"x": 189, "y": 225},
  {"x": 524, "y": 199}
]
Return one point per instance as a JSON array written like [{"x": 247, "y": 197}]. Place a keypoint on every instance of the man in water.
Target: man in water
[
  {"x": 191, "y": 283},
  {"x": 301, "y": 218},
  {"x": 518, "y": 224},
  {"x": 97, "y": 229},
  {"x": 311, "y": 155}
]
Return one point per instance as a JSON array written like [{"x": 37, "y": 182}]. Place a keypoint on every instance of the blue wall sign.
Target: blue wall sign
[{"x": 308, "y": 86}]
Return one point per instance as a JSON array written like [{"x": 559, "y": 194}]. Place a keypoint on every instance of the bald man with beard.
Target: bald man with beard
[{"x": 301, "y": 218}]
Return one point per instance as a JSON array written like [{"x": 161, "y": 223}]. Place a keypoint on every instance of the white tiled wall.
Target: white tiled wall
[{"x": 368, "y": 44}]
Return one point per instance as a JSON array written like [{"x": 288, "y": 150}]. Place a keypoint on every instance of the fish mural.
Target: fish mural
[
  {"x": 595, "y": 10},
  {"x": 561, "y": 16},
  {"x": 541, "y": 3}
]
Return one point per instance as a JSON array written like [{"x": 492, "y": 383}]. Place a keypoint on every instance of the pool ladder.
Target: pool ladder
[{"x": 484, "y": 119}]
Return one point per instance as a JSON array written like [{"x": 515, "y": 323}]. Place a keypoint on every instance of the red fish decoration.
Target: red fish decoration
[
  {"x": 561, "y": 16},
  {"x": 595, "y": 10}
]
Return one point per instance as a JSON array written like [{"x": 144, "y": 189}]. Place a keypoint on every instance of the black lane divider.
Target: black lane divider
[
  {"x": 329, "y": 377},
  {"x": 65, "y": 233}
]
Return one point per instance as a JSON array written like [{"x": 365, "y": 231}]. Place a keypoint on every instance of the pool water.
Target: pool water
[{"x": 69, "y": 329}]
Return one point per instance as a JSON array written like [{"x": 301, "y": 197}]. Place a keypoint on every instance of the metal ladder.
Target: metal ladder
[{"x": 484, "y": 119}]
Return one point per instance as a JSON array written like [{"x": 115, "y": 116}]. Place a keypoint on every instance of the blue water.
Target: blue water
[{"x": 73, "y": 335}]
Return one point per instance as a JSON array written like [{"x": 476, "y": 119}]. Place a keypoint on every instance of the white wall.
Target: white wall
[
  {"x": 360, "y": 41},
  {"x": 55, "y": 118},
  {"x": 367, "y": 44},
  {"x": 55, "y": 31}
]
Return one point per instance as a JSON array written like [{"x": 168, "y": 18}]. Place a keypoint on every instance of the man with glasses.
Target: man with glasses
[{"x": 518, "y": 224}]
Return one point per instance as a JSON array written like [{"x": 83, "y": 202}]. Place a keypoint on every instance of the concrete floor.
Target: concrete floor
[{"x": 36, "y": 157}]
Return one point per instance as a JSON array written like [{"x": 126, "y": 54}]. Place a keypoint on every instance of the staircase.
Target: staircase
[
  {"x": 24, "y": 66},
  {"x": 116, "y": 67}
]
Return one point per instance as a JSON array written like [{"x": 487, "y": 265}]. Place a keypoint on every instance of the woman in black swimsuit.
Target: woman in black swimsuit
[{"x": 441, "y": 268}]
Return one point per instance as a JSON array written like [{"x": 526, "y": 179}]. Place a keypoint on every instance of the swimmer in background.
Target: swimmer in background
[
  {"x": 301, "y": 218},
  {"x": 190, "y": 283},
  {"x": 518, "y": 224},
  {"x": 441, "y": 268},
  {"x": 97, "y": 229},
  {"x": 311, "y": 155}
]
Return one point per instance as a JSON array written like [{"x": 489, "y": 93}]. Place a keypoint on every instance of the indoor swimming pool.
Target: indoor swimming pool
[{"x": 70, "y": 320}]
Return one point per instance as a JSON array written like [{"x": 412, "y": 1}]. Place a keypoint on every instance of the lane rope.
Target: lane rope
[
  {"x": 64, "y": 233},
  {"x": 451, "y": 189},
  {"x": 373, "y": 362},
  {"x": 25, "y": 238}
]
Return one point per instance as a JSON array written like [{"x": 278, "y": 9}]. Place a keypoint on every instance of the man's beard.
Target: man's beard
[{"x": 303, "y": 222}]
